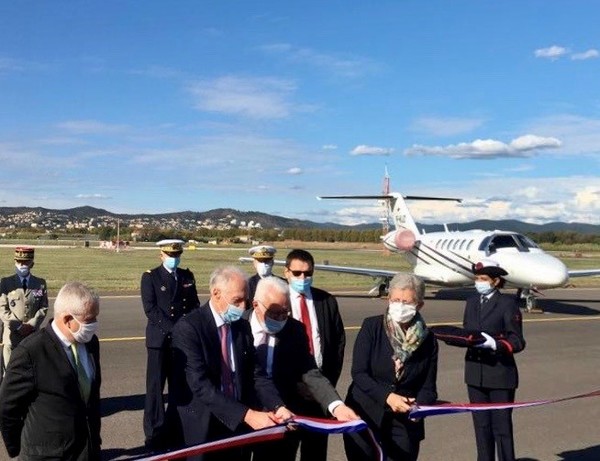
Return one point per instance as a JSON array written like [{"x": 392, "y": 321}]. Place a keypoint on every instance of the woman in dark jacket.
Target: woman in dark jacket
[
  {"x": 394, "y": 366},
  {"x": 490, "y": 369}
]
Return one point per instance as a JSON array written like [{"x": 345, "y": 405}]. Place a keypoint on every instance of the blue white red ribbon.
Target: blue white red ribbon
[
  {"x": 325, "y": 426},
  {"x": 422, "y": 411}
]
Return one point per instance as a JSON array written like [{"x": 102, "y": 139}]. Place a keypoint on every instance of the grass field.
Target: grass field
[{"x": 110, "y": 272}]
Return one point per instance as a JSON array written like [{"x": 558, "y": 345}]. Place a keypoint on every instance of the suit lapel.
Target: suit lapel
[
  {"x": 211, "y": 333},
  {"x": 321, "y": 321}
]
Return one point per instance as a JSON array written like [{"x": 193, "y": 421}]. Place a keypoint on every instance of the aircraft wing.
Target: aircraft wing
[
  {"x": 585, "y": 273},
  {"x": 382, "y": 273}
]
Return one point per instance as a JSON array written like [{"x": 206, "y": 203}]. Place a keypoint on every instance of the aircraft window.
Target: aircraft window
[
  {"x": 504, "y": 241},
  {"x": 469, "y": 245},
  {"x": 444, "y": 244},
  {"x": 437, "y": 244},
  {"x": 462, "y": 244},
  {"x": 456, "y": 245},
  {"x": 450, "y": 243},
  {"x": 526, "y": 241}
]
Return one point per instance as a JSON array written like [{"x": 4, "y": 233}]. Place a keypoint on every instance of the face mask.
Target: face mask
[
  {"x": 264, "y": 269},
  {"x": 273, "y": 326},
  {"x": 402, "y": 313},
  {"x": 171, "y": 263},
  {"x": 22, "y": 271},
  {"x": 232, "y": 313},
  {"x": 301, "y": 285},
  {"x": 484, "y": 288},
  {"x": 86, "y": 331}
]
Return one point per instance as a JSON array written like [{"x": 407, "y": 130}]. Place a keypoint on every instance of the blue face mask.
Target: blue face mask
[
  {"x": 232, "y": 313},
  {"x": 171, "y": 262},
  {"x": 484, "y": 288},
  {"x": 301, "y": 285},
  {"x": 274, "y": 326},
  {"x": 22, "y": 271}
]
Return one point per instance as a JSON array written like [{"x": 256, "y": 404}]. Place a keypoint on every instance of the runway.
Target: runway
[{"x": 562, "y": 358}]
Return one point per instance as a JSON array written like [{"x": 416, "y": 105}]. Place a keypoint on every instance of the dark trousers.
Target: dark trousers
[
  {"x": 398, "y": 442},
  {"x": 493, "y": 428},
  {"x": 158, "y": 370}
]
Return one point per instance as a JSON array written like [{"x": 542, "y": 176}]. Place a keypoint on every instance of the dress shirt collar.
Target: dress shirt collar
[
  {"x": 63, "y": 339},
  {"x": 218, "y": 319}
]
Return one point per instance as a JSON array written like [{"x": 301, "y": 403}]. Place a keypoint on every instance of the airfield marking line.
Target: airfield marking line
[{"x": 557, "y": 319}]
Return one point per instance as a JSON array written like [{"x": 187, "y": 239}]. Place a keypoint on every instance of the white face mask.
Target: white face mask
[
  {"x": 86, "y": 331},
  {"x": 264, "y": 269},
  {"x": 402, "y": 313}
]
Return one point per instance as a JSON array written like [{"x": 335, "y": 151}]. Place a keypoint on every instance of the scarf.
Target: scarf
[{"x": 404, "y": 343}]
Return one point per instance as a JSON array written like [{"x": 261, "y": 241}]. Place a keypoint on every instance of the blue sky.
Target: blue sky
[{"x": 159, "y": 106}]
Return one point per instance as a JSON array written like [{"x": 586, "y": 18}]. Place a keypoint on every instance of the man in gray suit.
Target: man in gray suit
[
  {"x": 23, "y": 302},
  {"x": 283, "y": 354}
]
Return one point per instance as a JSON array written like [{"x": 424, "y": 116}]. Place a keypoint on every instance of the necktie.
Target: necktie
[
  {"x": 85, "y": 386},
  {"x": 24, "y": 284},
  {"x": 305, "y": 318},
  {"x": 226, "y": 373}
]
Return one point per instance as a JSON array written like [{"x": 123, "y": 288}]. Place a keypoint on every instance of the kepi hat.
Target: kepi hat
[
  {"x": 171, "y": 246},
  {"x": 262, "y": 252},
  {"x": 488, "y": 267},
  {"x": 24, "y": 253}
]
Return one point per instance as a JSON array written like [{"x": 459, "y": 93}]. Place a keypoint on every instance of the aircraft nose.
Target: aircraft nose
[{"x": 552, "y": 272}]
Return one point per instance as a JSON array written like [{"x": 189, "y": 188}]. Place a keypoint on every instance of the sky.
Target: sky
[{"x": 160, "y": 106}]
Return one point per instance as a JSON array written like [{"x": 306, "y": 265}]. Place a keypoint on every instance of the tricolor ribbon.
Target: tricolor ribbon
[
  {"x": 324, "y": 426},
  {"x": 422, "y": 411}
]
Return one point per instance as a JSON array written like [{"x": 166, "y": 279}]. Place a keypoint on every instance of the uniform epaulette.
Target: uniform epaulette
[{"x": 148, "y": 271}]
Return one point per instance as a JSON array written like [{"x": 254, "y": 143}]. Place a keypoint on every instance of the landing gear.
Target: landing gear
[
  {"x": 526, "y": 297},
  {"x": 381, "y": 288}
]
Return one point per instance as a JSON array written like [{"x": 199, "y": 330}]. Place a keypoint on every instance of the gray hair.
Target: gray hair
[
  {"x": 76, "y": 299},
  {"x": 271, "y": 284},
  {"x": 221, "y": 276},
  {"x": 404, "y": 281}
]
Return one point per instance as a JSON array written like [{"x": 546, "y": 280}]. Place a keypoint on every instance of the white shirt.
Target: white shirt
[
  {"x": 262, "y": 337},
  {"x": 81, "y": 352},
  {"x": 316, "y": 337},
  {"x": 219, "y": 321}
]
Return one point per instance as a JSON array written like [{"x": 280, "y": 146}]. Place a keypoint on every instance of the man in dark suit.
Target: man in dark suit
[
  {"x": 318, "y": 311},
  {"x": 216, "y": 382},
  {"x": 23, "y": 302},
  {"x": 490, "y": 370},
  {"x": 282, "y": 351},
  {"x": 50, "y": 395},
  {"x": 168, "y": 293}
]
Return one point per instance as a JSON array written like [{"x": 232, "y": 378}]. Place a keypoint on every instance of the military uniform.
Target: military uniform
[
  {"x": 263, "y": 255},
  {"x": 23, "y": 300},
  {"x": 166, "y": 298}
]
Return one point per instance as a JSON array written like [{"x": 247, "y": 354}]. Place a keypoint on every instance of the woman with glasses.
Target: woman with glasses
[{"x": 394, "y": 366}]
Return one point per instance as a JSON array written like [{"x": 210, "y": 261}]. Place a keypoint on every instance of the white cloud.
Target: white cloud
[
  {"x": 259, "y": 98},
  {"x": 295, "y": 171},
  {"x": 554, "y": 52},
  {"x": 329, "y": 147},
  {"x": 90, "y": 127},
  {"x": 446, "y": 126},
  {"x": 345, "y": 66},
  {"x": 579, "y": 135},
  {"x": 371, "y": 150},
  {"x": 589, "y": 54},
  {"x": 93, "y": 196},
  {"x": 523, "y": 146}
]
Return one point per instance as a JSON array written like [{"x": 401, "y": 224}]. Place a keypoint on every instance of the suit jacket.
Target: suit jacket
[
  {"x": 373, "y": 376},
  {"x": 42, "y": 414},
  {"x": 294, "y": 371},
  {"x": 197, "y": 394},
  {"x": 18, "y": 307},
  {"x": 501, "y": 318},
  {"x": 333, "y": 336},
  {"x": 165, "y": 301}
]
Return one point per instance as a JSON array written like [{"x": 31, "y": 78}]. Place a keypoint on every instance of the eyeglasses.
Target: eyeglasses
[
  {"x": 299, "y": 273},
  {"x": 275, "y": 312}
]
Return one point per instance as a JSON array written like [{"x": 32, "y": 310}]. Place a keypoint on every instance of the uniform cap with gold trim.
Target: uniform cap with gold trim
[
  {"x": 262, "y": 252},
  {"x": 171, "y": 245},
  {"x": 24, "y": 253}
]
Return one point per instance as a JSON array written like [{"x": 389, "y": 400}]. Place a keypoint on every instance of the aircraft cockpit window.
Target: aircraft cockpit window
[{"x": 526, "y": 241}]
